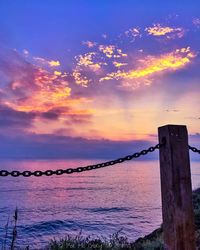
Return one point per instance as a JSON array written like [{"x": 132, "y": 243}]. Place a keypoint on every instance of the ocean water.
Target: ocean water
[{"x": 100, "y": 202}]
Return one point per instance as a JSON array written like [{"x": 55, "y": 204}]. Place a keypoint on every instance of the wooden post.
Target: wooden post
[{"x": 176, "y": 189}]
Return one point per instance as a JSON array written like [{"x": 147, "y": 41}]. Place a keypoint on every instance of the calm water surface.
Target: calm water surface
[{"x": 98, "y": 202}]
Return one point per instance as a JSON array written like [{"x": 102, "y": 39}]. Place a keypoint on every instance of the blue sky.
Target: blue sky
[{"x": 49, "y": 28}]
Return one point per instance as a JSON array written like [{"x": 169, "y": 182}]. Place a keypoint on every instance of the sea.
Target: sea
[{"x": 123, "y": 198}]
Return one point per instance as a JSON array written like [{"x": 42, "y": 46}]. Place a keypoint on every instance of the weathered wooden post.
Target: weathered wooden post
[{"x": 176, "y": 189}]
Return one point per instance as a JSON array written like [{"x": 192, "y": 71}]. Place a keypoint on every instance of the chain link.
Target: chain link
[
  {"x": 195, "y": 150},
  {"x": 39, "y": 173}
]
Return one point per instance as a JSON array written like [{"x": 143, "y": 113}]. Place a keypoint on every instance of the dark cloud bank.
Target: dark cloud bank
[{"x": 31, "y": 146}]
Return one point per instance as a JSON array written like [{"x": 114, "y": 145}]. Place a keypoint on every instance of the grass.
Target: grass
[
  {"x": 13, "y": 236},
  {"x": 14, "y": 231},
  {"x": 114, "y": 242},
  {"x": 78, "y": 242}
]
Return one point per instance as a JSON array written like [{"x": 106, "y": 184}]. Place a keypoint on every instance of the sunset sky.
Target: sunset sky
[{"x": 96, "y": 78}]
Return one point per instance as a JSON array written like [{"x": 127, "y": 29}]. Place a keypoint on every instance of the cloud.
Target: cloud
[
  {"x": 87, "y": 67},
  {"x": 111, "y": 51},
  {"x": 57, "y": 73},
  {"x": 133, "y": 65},
  {"x": 25, "y": 52},
  {"x": 12, "y": 118},
  {"x": 171, "y": 33},
  {"x": 89, "y": 44},
  {"x": 58, "y": 146},
  {"x": 87, "y": 60},
  {"x": 68, "y": 115},
  {"x": 43, "y": 62},
  {"x": 32, "y": 95},
  {"x": 79, "y": 78},
  {"x": 50, "y": 90},
  {"x": 16, "y": 73},
  {"x": 133, "y": 33},
  {"x": 14, "y": 122},
  {"x": 27, "y": 87},
  {"x": 54, "y": 63},
  {"x": 80, "y": 119},
  {"x": 196, "y": 22},
  {"x": 148, "y": 66},
  {"x": 119, "y": 64},
  {"x": 91, "y": 65},
  {"x": 15, "y": 119},
  {"x": 50, "y": 115}
]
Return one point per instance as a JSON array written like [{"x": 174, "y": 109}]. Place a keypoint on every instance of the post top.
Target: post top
[
  {"x": 175, "y": 132},
  {"x": 171, "y": 126}
]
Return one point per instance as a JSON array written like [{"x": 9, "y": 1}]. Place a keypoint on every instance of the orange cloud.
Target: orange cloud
[
  {"x": 54, "y": 63},
  {"x": 57, "y": 73},
  {"x": 51, "y": 90},
  {"x": 79, "y": 78},
  {"x": 158, "y": 30},
  {"x": 111, "y": 51},
  {"x": 86, "y": 64},
  {"x": 87, "y": 61},
  {"x": 42, "y": 61},
  {"x": 107, "y": 50},
  {"x": 37, "y": 88},
  {"x": 151, "y": 65},
  {"x": 89, "y": 65},
  {"x": 50, "y": 99},
  {"x": 118, "y": 64}
]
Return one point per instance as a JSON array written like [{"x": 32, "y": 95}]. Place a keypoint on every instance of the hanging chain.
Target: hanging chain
[
  {"x": 195, "y": 150},
  {"x": 38, "y": 173}
]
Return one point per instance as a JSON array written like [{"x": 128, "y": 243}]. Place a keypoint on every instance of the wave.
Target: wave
[
  {"x": 54, "y": 189},
  {"x": 47, "y": 226},
  {"x": 107, "y": 209}
]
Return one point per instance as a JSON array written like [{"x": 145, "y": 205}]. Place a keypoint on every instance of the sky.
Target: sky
[{"x": 96, "y": 78}]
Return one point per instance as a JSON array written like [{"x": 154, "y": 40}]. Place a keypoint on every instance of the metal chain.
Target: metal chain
[
  {"x": 195, "y": 150},
  {"x": 38, "y": 173}
]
